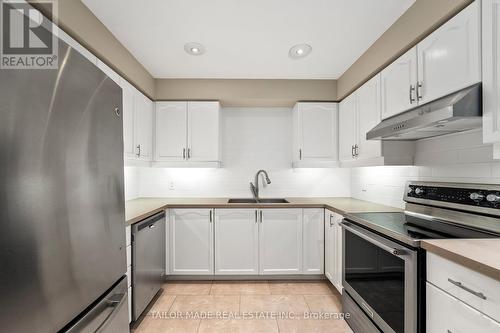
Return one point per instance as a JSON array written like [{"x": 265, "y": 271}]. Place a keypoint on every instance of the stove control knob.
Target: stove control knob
[
  {"x": 419, "y": 191},
  {"x": 493, "y": 198},
  {"x": 476, "y": 196}
]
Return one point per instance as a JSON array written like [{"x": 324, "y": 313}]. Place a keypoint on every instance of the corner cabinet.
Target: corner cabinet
[
  {"x": 313, "y": 240},
  {"x": 191, "y": 241},
  {"x": 333, "y": 249},
  {"x": 491, "y": 70},
  {"x": 187, "y": 134},
  {"x": 315, "y": 137}
]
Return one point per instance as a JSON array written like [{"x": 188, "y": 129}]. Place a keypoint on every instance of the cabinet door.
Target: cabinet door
[
  {"x": 449, "y": 58},
  {"x": 445, "y": 313},
  {"x": 280, "y": 241},
  {"x": 128, "y": 120},
  {"x": 398, "y": 85},
  {"x": 236, "y": 241},
  {"x": 143, "y": 126},
  {"x": 368, "y": 116},
  {"x": 313, "y": 241},
  {"x": 491, "y": 70},
  {"x": 330, "y": 247},
  {"x": 347, "y": 125},
  {"x": 339, "y": 251},
  {"x": 203, "y": 131},
  {"x": 317, "y": 131},
  {"x": 191, "y": 242},
  {"x": 171, "y": 131}
]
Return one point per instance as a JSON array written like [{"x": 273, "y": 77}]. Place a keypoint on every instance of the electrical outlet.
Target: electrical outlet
[{"x": 171, "y": 186}]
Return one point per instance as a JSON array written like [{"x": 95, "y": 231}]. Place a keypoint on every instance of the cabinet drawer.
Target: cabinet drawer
[
  {"x": 447, "y": 274},
  {"x": 447, "y": 314}
]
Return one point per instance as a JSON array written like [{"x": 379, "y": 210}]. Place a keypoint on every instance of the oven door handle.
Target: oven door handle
[{"x": 392, "y": 250}]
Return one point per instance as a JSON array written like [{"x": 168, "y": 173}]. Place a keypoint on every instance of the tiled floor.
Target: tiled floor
[{"x": 241, "y": 307}]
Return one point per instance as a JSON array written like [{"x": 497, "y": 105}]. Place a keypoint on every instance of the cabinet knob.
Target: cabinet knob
[{"x": 493, "y": 198}]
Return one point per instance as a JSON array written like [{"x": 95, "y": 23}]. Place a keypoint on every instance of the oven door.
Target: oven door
[{"x": 381, "y": 276}]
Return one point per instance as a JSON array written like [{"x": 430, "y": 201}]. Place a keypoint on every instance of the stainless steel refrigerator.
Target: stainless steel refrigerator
[{"x": 62, "y": 235}]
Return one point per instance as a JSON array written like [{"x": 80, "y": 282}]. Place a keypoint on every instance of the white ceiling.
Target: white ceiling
[{"x": 247, "y": 39}]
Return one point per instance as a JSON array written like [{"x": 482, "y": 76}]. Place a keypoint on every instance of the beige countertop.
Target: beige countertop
[
  {"x": 481, "y": 255},
  {"x": 141, "y": 208}
]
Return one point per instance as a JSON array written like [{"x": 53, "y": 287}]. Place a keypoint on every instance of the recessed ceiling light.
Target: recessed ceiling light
[
  {"x": 299, "y": 51},
  {"x": 193, "y": 48}
]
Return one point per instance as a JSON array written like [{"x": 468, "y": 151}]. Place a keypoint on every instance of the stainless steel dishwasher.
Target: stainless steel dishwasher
[{"x": 148, "y": 261}]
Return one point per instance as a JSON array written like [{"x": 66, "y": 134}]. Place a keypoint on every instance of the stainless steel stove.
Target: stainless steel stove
[{"x": 383, "y": 264}]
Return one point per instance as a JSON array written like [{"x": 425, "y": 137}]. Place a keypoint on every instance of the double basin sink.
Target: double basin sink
[{"x": 254, "y": 201}]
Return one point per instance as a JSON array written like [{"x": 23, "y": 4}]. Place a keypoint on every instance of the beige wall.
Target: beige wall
[
  {"x": 417, "y": 22},
  {"x": 247, "y": 92},
  {"x": 79, "y": 22}
]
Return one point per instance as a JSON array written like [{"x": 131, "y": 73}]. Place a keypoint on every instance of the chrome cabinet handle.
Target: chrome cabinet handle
[
  {"x": 256, "y": 218},
  {"x": 419, "y": 90},
  {"x": 370, "y": 312},
  {"x": 138, "y": 150},
  {"x": 211, "y": 216},
  {"x": 189, "y": 153},
  {"x": 300, "y": 154},
  {"x": 260, "y": 213},
  {"x": 331, "y": 223},
  {"x": 461, "y": 286},
  {"x": 356, "y": 147},
  {"x": 352, "y": 151},
  {"x": 412, "y": 91},
  {"x": 184, "y": 153}
]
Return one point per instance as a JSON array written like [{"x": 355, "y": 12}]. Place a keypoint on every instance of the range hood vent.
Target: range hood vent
[{"x": 457, "y": 112}]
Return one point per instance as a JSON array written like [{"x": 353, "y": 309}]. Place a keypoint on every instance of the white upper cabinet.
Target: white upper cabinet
[
  {"x": 280, "y": 241},
  {"x": 315, "y": 134},
  {"x": 313, "y": 241},
  {"x": 187, "y": 133},
  {"x": 137, "y": 125},
  {"x": 236, "y": 241},
  {"x": 491, "y": 70},
  {"x": 143, "y": 133},
  {"x": 398, "y": 85},
  {"x": 171, "y": 131},
  {"x": 368, "y": 116},
  {"x": 347, "y": 128},
  {"x": 191, "y": 242},
  {"x": 128, "y": 120},
  {"x": 449, "y": 59},
  {"x": 203, "y": 131}
]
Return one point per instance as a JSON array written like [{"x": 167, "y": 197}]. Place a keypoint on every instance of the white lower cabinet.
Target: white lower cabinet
[
  {"x": 333, "y": 249},
  {"x": 280, "y": 241},
  {"x": 236, "y": 241},
  {"x": 191, "y": 242},
  {"x": 445, "y": 313},
  {"x": 313, "y": 240}
]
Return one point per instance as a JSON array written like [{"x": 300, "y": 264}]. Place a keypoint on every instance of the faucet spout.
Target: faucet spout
[{"x": 255, "y": 186}]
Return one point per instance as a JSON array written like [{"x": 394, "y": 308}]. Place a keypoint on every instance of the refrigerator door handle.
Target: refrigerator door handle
[{"x": 103, "y": 314}]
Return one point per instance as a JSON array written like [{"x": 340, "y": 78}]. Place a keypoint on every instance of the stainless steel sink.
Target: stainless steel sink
[
  {"x": 273, "y": 200},
  {"x": 263, "y": 200}
]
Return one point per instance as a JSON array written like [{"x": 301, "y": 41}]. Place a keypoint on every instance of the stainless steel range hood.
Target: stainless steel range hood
[{"x": 456, "y": 112}]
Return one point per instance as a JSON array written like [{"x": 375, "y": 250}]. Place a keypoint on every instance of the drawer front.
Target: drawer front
[
  {"x": 447, "y": 314},
  {"x": 465, "y": 284}
]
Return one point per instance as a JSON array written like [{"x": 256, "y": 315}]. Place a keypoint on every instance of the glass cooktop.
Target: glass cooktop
[{"x": 411, "y": 229}]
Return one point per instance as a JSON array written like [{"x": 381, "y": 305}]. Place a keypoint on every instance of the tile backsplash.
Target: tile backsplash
[{"x": 386, "y": 185}]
